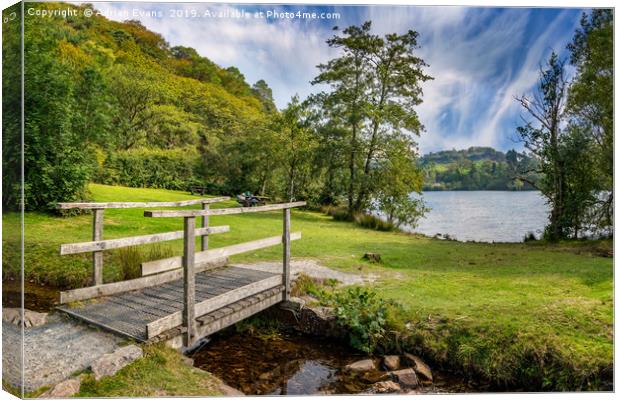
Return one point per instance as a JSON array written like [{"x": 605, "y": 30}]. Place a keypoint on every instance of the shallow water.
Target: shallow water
[
  {"x": 294, "y": 364},
  {"x": 36, "y": 298}
]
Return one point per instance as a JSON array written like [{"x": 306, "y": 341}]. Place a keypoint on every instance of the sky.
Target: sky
[{"x": 480, "y": 58}]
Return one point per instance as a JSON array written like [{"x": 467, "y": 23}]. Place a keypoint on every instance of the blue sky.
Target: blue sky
[{"x": 480, "y": 57}]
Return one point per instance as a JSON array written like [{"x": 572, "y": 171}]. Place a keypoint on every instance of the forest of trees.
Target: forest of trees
[
  {"x": 477, "y": 168},
  {"x": 114, "y": 103}
]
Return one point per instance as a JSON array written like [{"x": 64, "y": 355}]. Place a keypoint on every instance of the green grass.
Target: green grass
[
  {"x": 161, "y": 372},
  {"x": 532, "y": 315}
]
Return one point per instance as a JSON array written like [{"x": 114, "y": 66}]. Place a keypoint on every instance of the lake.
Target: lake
[{"x": 483, "y": 216}]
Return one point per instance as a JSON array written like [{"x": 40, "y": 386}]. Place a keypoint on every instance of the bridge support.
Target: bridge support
[{"x": 189, "y": 280}]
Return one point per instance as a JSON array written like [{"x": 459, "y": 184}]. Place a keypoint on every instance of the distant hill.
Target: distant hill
[{"x": 477, "y": 168}]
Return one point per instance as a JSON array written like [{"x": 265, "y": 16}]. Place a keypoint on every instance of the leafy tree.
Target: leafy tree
[
  {"x": 262, "y": 91},
  {"x": 591, "y": 102},
  {"x": 547, "y": 109},
  {"x": 375, "y": 87},
  {"x": 398, "y": 175}
]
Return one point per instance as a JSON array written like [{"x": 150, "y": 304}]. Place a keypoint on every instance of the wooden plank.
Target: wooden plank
[
  {"x": 148, "y": 204},
  {"x": 167, "y": 264},
  {"x": 98, "y": 255},
  {"x": 163, "y": 324},
  {"x": 221, "y": 211},
  {"x": 227, "y": 320},
  {"x": 109, "y": 289},
  {"x": 189, "y": 281},
  {"x": 204, "y": 240},
  {"x": 286, "y": 250},
  {"x": 99, "y": 245}
]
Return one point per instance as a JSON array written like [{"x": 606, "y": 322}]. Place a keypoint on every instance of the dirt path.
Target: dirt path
[
  {"x": 313, "y": 269},
  {"x": 52, "y": 352}
]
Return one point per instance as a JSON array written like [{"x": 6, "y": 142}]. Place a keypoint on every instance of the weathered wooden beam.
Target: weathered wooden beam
[
  {"x": 167, "y": 264},
  {"x": 148, "y": 204},
  {"x": 204, "y": 240},
  {"x": 221, "y": 323},
  {"x": 221, "y": 211},
  {"x": 85, "y": 247},
  {"x": 173, "y": 320},
  {"x": 189, "y": 281},
  {"x": 286, "y": 250},
  {"x": 109, "y": 289},
  {"x": 97, "y": 255}
]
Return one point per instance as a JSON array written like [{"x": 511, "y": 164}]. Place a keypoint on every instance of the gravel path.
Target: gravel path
[
  {"x": 53, "y": 351},
  {"x": 313, "y": 269}
]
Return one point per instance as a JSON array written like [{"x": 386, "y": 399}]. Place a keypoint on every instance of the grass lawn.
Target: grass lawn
[
  {"x": 531, "y": 315},
  {"x": 161, "y": 372}
]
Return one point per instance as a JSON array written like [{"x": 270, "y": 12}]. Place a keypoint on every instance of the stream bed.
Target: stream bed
[{"x": 288, "y": 363}]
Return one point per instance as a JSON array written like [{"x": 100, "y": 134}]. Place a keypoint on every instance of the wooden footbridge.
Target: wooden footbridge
[{"x": 179, "y": 299}]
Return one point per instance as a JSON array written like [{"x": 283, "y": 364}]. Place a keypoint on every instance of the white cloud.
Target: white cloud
[{"x": 474, "y": 55}]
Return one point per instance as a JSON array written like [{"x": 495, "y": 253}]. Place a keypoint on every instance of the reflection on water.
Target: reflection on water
[
  {"x": 484, "y": 216},
  {"x": 294, "y": 364},
  {"x": 36, "y": 298}
]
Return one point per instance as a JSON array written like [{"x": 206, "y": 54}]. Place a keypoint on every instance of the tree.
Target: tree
[
  {"x": 262, "y": 91},
  {"x": 591, "y": 101},
  {"x": 348, "y": 77},
  {"x": 398, "y": 175},
  {"x": 375, "y": 89},
  {"x": 297, "y": 144},
  {"x": 542, "y": 135}
]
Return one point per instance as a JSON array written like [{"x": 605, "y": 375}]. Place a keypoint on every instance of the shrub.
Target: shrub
[
  {"x": 363, "y": 314},
  {"x": 373, "y": 222},
  {"x": 154, "y": 168}
]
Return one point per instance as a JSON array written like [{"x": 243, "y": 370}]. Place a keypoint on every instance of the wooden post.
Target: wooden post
[
  {"x": 204, "y": 240},
  {"x": 286, "y": 259},
  {"x": 98, "y": 255},
  {"x": 189, "y": 280}
]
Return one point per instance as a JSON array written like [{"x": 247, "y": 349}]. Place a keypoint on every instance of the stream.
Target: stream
[
  {"x": 37, "y": 298},
  {"x": 295, "y": 364}
]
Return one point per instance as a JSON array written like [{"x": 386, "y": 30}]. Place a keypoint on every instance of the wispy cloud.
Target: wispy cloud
[{"x": 480, "y": 57}]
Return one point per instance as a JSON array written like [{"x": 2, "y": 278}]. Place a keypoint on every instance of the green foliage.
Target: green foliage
[
  {"x": 363, "y": 314},
  {"x": 130, "y": 258},
  {"x": 372, "y": 222},
  {"x": 155, "y": 168},
  {"x": 375, "y": 87},
  {"x": 478, "y": 168}
]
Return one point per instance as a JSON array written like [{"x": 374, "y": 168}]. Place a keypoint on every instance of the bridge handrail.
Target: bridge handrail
[
  {"x": 148, "y": 204},
  {"x": 98, "y": 245},
  {"x": 188, "y": 261}
]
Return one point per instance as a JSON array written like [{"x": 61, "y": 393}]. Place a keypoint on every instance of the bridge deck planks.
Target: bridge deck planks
[{"x": 129, "y": 313}]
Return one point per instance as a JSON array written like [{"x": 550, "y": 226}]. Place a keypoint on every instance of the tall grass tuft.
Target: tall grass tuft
[
  {"x": 131, "y": 257},
  {"x": 360, "y": 218}
]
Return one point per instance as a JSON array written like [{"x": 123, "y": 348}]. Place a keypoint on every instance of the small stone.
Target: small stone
[
  {"x": 66, "y": 388},
  {"x": 386, "y": 387},
  {"x": 31, "y": 318},
  {"x": 375, "y": 376},
  {"x": 361, "y": 366},
  {"x": 111, "y": 363},
  {"x": 229, "y": 390},
  {"x": 187, "y": 361},
  {"x": 406, "y": 377},
  {"x": 419, "y": 366},
  {"x": 391, "y": 363},
  {"x": 373, "y": 257}
]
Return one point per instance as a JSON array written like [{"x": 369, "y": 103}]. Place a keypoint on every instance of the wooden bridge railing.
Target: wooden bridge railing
[
  {"x": 98, "y": 245},
  {"x": 188, "y": 261}
]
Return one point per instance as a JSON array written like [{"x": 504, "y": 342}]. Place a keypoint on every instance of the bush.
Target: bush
[
  {"x": 373, "y": 222},
  {"x": 363, "y": 314},
  {"x": 154, "y": 168}
]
